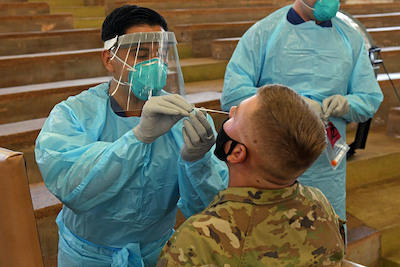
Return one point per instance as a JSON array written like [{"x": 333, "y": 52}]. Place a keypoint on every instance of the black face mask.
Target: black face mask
[{"x": 222, "y": 138}]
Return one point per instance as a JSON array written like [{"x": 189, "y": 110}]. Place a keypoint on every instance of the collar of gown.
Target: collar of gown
[{"x": 294, "y": 18}]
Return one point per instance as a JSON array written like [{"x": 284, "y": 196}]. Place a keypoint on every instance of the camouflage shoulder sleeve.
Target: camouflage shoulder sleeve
[
  {"x": 208, "y": 237},
  {"x": 189, "y": 247},
  {"x": 318, "y": 196}
]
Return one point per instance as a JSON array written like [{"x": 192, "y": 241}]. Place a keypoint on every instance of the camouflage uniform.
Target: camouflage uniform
[{"x": 293, "y": 226}]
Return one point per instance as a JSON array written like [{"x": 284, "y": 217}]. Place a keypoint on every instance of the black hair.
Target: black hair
[{"x": 127, "y": 16}]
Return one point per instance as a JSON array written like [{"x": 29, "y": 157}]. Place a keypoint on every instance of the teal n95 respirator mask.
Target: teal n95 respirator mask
[
  {"x": 148, "y": 78},
  {"x": 146, "y": 64},
  {"x": 324, "y": 10}
]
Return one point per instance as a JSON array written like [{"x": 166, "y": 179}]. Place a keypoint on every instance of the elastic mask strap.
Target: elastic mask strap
[
  {"x": 123, "y": 62},
  {"x": 120, "y": 82},
  {"x": 233, "y": 145},
  {"x": 307, "y": 5}
]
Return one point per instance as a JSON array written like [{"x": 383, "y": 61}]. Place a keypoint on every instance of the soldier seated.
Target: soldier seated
[{"x": 265, "y": 217}]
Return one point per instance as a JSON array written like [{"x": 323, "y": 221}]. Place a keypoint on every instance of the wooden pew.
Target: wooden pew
[
  {"x": 385, "y": 36},
  {"x": 182, "y": 4},
  {"x": 362, "y": 242},
  {"x": 222, "y": 48},
  {"x": 70, "y": 65},
  {"x": 201, "y": 35},
  {"x": 46, "y": 22},
  {"x": 50, "y": 67},
  {"x": 19, "y": 43},
  {"x": 230, "y": 14},
  {"x": 353, "y": 9},
  {"x": 212, "y": 15},
  {"x": 24, "y": 8},
  {"x": 60, "y": 40},
  {"x": 36, "y": 100},
  {"x": 370, "y": 8},
  {"x": 391, "y": 59},
  {"x": 379, "y": 20},
  {"x": 367, "y": 8}
]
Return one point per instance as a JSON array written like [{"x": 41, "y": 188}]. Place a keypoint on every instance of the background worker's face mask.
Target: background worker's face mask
[
  {"x": 147, "y": 65},
  {"x": 324, "y": 9}
]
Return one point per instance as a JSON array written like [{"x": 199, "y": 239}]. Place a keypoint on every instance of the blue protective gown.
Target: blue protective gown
[
  {"x": 120, "y": 195},
  {"x": 316, "y": 62}
]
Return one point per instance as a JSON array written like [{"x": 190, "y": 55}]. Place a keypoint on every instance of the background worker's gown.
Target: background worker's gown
[
  {"x": 120, "y": 195},
  {"x": 316, "y": 62}
]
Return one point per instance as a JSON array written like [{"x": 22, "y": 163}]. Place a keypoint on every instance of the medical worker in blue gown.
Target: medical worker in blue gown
[
  {"x": 305, "y": 47},
  {"x": 121, "y": 177}
]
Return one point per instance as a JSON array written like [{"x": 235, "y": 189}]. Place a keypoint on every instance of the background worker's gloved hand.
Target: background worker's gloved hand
[
  {"x": 316, "y": 106},
  {"x": 335, "y": 105},
  {"x": 159, "y": 114},
  {"x": 198, "y": 137}
]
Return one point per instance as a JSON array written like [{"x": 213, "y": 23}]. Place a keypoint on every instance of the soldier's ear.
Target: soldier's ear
[{"x": 238, "y": 155}]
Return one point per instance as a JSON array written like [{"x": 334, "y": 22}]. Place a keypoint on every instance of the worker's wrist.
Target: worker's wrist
[{"x": 137, "y": 131}]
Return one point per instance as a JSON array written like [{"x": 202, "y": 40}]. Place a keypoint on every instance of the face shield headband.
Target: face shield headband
[{"x": 150, "y": 67}]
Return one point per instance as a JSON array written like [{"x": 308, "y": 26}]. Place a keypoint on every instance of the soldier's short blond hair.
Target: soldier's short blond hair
[{"x": 289, "y": 136}]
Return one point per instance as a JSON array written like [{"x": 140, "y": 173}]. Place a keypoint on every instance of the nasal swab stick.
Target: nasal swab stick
[{"x": 213, "y": 110}]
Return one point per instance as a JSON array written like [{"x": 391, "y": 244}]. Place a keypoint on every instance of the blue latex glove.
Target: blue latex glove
[
  {"x": 198, "y": 137},
  {"x": 159, "y": 114}
]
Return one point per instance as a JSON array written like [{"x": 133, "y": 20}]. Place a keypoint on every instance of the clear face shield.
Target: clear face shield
[{"x": 146, "y": 65}]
